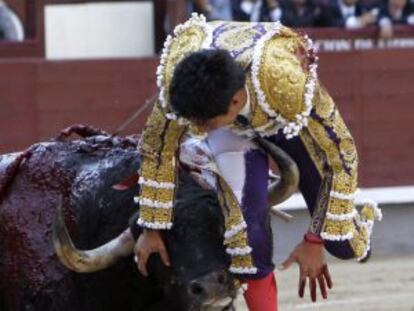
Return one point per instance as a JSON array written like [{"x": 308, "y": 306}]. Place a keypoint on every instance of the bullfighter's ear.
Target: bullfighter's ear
[{"x": 127, "y": 183}]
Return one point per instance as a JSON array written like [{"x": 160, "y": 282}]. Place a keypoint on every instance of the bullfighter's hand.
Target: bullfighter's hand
[
  {"x": 312, "y": 264},
  {"x": 150, "y": 242}
]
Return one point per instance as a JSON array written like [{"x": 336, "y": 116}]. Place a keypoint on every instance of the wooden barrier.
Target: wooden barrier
[{"x": 38, "y": 98}]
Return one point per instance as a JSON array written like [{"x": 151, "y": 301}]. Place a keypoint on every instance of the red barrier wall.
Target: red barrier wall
[
  {"x": 374, "y": 90},
  {"x": 38, "y": 98}
]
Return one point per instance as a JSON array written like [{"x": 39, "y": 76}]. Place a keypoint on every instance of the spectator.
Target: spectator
[
  {"x": 300, "y": 13},
  {"x": 11, "y": 28},
  {"x": 394, "y": 12},
  {"x": 350, "y": 14},
  {"x": 214, "y": 9},
  {"x": 257, "y": 10}
]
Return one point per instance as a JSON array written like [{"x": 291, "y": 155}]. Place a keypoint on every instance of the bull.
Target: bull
[{"x": 79, "y": 176}]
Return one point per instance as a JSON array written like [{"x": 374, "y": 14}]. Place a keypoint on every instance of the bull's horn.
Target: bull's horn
[
  {"x": 281, "y": 190},
  {"x": 92, "y": 260}
]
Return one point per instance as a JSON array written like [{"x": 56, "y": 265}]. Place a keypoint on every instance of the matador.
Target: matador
[{"x": 266, "y": 75}]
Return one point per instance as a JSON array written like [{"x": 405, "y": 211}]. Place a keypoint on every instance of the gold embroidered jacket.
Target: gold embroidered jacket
[{"x": 288, "y": 105}]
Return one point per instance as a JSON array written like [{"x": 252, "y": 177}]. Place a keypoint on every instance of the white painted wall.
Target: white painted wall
[{"x": 99, "y": 30}]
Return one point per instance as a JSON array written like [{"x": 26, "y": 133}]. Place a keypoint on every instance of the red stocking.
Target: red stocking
[{"x": 261, "y": 294}]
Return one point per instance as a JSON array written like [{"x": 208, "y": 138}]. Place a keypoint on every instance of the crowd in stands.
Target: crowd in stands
[
  {"x": 349, "y": 14},
  {"x": 11, "y": 27}
]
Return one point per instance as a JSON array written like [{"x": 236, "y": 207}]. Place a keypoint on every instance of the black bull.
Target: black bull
[{"x": 81, "y": 175}]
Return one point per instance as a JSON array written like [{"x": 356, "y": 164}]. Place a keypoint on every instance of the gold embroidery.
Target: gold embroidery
[
  {"x": 359, "y": 243},
  {"x": 345, "y": 183},
  {"x": 188, "y": 41},
  {"x": 151, "y": 142},
  {"x": 320, "y": 135},
  {"x": 155, "y": 215},
  {"x": 161, "y": 168},
  {"x": 324, "y": 108},
  {"x": 259, "y": 117},
  {"x": 319, "y": 211},
  {"x": 314, "y": 151},
  {"x": 283, "y": 75},
  {"x": 282, "y": 78},
  {"x": 241, "y": 261},
  {"x": 338, "y": 206},
  {"x": 162, "y": 195},
  {"x": 149, "y": 168},
  {"x": 234, "y": 218},
  {"x": 237, "y": 240},
  {"x": 239, "y": 39},
  {"x": 336, "y": 227},
  {"x": 329, "y": 131},
  {"x": 288, "y": 33}
]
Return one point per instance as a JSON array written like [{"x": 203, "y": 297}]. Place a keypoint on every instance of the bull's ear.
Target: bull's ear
[{"x": 127, "y": 183}]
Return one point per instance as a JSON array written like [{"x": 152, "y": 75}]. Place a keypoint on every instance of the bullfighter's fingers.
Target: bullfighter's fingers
[
  {"x": 322, "y": 286},
  {"x": 164, "y": 256},
  {"x": 302, "y": 286},
  {"x": 142, "y": 263},
  {"x": 302, "y": 282},
  {"x": 286, "y": 264},
  {"x": 327, "y": 276},
  {"x": 312, "y": 284}
]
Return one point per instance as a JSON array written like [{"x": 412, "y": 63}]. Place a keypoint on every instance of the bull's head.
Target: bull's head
[{"x": 198, "y": 278}]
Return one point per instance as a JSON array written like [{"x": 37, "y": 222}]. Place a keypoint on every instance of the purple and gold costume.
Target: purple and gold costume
[
  {"x": 287, "y": 106},
  {"x": 246, "y": 169}
]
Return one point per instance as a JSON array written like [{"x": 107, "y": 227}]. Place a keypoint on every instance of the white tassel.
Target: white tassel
[
  {"x": 156, "y": 184},
  {"x": 155, "y": 204},
  {"x": 240, "y": 270},
  {"x": 239, "y": 251},
  {"x": 337, "y": 237},
  {"x": 342, "y": 217},
  {"x": 154, "y": 225}
]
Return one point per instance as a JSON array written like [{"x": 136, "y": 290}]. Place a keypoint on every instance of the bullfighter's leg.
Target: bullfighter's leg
[{"x": 261, "y": 294}]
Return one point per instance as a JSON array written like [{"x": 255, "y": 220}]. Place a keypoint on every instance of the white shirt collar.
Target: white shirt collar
[
  {"x": 245, "y": 112},
  {"x": 346, "y": 11}
]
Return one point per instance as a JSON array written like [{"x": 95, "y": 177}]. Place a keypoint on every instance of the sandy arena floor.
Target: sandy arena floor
[{"x": 379, "y": 285}]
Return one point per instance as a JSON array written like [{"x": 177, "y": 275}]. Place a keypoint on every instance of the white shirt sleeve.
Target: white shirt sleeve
[
  {"x": 247, "y": 7},
  {"x": 10, "y": 25},
  {"x": 276, "y": 14},
  {"x": 410, "y": 19},
  {"x": 18, "y": 26},
  {"x": 353, "y": 22},
  {"x": 229, "y": 150},
  {"x": 385, "y": 22}
]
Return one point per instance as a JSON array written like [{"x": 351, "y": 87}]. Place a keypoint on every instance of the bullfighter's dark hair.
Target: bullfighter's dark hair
[{"x": 204, "y": 83}]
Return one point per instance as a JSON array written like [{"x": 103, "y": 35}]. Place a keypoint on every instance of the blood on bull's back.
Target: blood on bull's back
[{"x": 82, "y": 172}]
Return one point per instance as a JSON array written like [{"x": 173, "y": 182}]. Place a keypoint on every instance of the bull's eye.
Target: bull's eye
[
  {"x": 222, "y": 278},
  {"x": 196, "y": 289}
]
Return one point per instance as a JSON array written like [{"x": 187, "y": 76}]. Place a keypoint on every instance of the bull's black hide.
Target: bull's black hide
[{"x": 83, "y": 173}]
